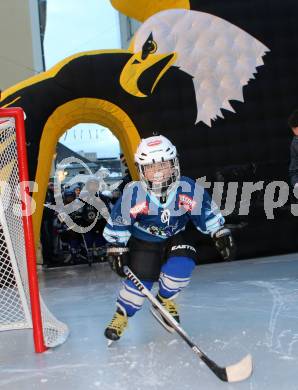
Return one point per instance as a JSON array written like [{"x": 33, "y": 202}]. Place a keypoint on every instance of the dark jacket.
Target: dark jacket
[{"x": 293, "y": 168}]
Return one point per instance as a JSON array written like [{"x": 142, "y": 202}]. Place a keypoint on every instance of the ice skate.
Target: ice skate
[
  {"x": 171, "y": 308},
  {"x": 116, "y": 327}
]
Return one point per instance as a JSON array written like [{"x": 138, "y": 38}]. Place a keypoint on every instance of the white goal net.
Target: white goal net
[{"x": 15, "y": 307}]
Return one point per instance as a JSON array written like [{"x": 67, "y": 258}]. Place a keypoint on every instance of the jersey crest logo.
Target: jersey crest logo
[
  {"x": 165, "y": 216},
  {"x": 187, "y": 202},
  {"x": 140, "y": 208}
]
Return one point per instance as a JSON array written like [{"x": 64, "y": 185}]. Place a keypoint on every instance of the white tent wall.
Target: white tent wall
[{"x": 20, "y": 42}]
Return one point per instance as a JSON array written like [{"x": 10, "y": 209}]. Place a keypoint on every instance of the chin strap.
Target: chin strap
[{"x": 163, "y": 199}]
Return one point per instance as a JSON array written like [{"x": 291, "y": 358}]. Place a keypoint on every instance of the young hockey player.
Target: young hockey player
[{"x": 146, "y": 231}]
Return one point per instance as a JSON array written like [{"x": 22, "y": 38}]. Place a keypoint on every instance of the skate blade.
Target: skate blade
[
  {"x": 110, "y": 342},
  {"x": 160, "y": 319}
]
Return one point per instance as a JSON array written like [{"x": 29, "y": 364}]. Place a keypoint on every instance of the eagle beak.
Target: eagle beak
[{"x": 140, "y": 76}]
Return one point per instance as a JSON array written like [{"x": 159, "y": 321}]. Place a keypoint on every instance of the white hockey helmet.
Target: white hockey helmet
[
  {"x": 159, "y": 155},
  {"x": 107, "y": 193}
]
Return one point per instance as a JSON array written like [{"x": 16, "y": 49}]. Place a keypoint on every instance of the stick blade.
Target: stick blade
[{"x": 240, "y": 371}]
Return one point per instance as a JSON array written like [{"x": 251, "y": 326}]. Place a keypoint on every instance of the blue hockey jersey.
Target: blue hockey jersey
[{"x": 142, "y": 216}]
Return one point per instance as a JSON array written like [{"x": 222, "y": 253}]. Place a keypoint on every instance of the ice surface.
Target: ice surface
[{"x": 230, "y": 310}]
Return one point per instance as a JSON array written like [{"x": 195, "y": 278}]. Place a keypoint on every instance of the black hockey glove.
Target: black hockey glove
[
  {"x": 225, "y": 243},
  {"x": 118, "y": 257}
]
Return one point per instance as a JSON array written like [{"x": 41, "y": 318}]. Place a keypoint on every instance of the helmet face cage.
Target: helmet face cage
[{"x": 160, "y": 188}]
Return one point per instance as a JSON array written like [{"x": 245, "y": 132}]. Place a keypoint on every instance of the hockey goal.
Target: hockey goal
[{"x": 20, "y": 303}]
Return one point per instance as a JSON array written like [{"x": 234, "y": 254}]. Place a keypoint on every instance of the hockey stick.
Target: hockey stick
[
  {"x": 234, "y": 373},
  {"x": 89, "y": 256}
]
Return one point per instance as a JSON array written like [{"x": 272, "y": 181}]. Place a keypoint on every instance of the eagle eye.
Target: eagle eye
[{"x": 149, "y": 47}]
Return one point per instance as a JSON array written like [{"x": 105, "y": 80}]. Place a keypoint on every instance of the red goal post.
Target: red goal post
[{"x": 20, "y": 303}]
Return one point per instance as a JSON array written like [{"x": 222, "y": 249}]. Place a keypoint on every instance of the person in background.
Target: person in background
[
  {"x": 293, "y": 168},
  {"x": 68, "y": 235},
  {"x": 77, "y": 191},
  {"x": 116, "y": 193},
  {"x": 97, "y": 207},
  {"x": 126, "y": 177}
]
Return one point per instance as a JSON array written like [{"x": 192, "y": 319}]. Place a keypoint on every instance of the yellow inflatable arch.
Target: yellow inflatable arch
[
  {"x": 51, "y": 110},
  {"x": 87, "y": 87}
]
